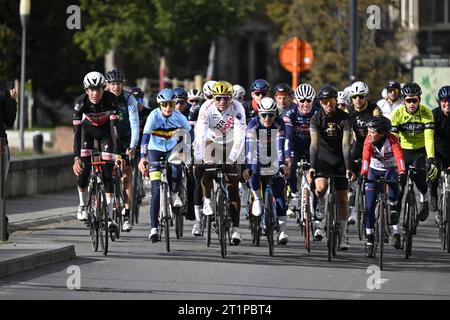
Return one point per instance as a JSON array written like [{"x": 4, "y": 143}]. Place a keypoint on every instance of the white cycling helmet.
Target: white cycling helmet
[
  {"x": 94, "y": 79},
  {"x": 267, "y": 104},
  {"x": 305, "y": 91},
  {"x": 207, "y": 87},
  {"x": 195, "y": 94},
  {"x": 343, "y": 97},
  {"x": 359, "y": 87},
  {"x": 238, "y": 92}
]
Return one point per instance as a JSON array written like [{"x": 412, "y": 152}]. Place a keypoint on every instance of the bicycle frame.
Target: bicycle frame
[
  {"x": 410, "y": 221},
  {"x": 444, "y": 211}
]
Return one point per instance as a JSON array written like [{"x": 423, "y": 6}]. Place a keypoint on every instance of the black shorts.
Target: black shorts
[{"x": 325, "y": 168}]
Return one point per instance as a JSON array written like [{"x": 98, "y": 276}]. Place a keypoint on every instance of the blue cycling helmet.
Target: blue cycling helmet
[
  {"x": 180, "y": 93},
  {"x": 260, "y": 85},
  {"x": 444, "y": 92},
  {"x": 166, "y": 95}
]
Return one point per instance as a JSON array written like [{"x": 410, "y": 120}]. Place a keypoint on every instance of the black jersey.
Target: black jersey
[
  {"x": 441, "y": 136},
  {"x": 360, "y": 119},
  {"x": 101, "y": 115}
]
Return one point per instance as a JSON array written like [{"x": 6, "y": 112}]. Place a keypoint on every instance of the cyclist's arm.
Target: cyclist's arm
[
  {"x": 377, "y": 111},
  {"x": 429, "y": 132},
  {"x": 113, "y": 120},
  {"x": 133, "y": 115},
  {"x": 314, "y": 147},
  {"x": 347, "y": 144},
  {"x": 367, "y": 155},
  {"x": 76, "y": 120},
  {"x": 200, "y": 130},
  {"x": 240, "y": 126},
  {"x": 146, "y": 134},
  {"x": 398, "y": 153},
  {"x": 289, "y": 133},
  {"x": 395, "y": 123},
  {"x": 281, "y": 137}
]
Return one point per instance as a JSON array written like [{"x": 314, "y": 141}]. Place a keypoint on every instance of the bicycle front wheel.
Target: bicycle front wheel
[
  {"x": 165, "y": 213},
  {"x": 329, "y": 209},
  {"x": 103, "y": 221},
  {"x": 408, "y": 224},
  {"x": 446, "y": 216},
  {"x": 381, "y": 214},
  {"x": 306, "y": 218},
  {"x": 221, "y": 223},
  {"x": 360, "y": 214},
  {"x": 93, "y": 221}
]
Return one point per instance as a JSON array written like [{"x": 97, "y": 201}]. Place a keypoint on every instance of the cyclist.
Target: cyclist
[
  {"x": 181, "y": 102},
  {"x": 162, "y": 131},
  {"x": 330, "y": 155},
  {"x": 260, "y": 88},
  {"x": 413, "y": 123},
  {"x": 361, "y": 111},
  {"x": 95, "y": 117},
  {"x": 219, "y": 119},
  {"x": 282, "y": 96},
  {"x": 297, "y": 121},
  {"x": 128, "y": 131},
  {"x": 441, "y": 117},
  {"x": 239, "y": 93},
  {"x": 262, "y": 131},
  {"x": 392, "y": 99},
  {"x": 382, "y": 156},
  {"x": 343, "y": 100}
]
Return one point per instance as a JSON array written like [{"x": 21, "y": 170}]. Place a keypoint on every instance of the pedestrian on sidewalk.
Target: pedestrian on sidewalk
[{"x": 8, "y": 111}]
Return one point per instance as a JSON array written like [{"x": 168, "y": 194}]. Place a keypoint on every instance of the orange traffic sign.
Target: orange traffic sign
[{"x": 296, "y": 55}]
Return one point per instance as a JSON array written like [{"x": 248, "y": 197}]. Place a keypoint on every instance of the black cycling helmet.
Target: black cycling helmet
[
  {"x": 260, "y": 85},
  {"x": 137, "y": 92},
  {"x": 180, "y": 93},
  {"x": 282, "y": 88},
  {"x": 380, "y": 124},
  {"x": 115, "y": 76},
  {"x": 328, "y": 91},
  {"x": 444, "y": 92},
  {"x": 392, "y": 84},
  {"x": 411, "y": 89}
]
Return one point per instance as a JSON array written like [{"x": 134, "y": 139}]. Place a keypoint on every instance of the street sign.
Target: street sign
[
  {"x": 430, "y": 73},
  {"x": 296, "y": 55}
]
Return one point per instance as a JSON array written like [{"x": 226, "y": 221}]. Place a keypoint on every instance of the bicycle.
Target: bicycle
[
  {"x": 410, "y": 219},
  {"x": 138, "y": 191},
  {"x": 221, "y": 205},
  {"x": 179, "y": 213},
  {"x": 97, "y": 210},
  {"x": 444, "y": 210},
  {"x": 269, "y": 215},
  {"x": 165, "y": 208},
  {"x": 332, "y": 217},
  {"x": 306, "y": 213},
  {"x": 118, "y": 203},
  {"x": 382, "y": 230}
]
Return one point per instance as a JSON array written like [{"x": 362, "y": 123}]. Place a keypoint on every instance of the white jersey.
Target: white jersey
[
  {"x": 387, "y": 107},
  {"x": 215, "y": 125}
]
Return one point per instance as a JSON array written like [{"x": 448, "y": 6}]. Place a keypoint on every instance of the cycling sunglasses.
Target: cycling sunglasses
[
  {"x": 342, "y": 105},
  {"x": 261, "y": 93},
  {"x": 225, "y": 98},
  {"x": 328, "y": 100},
  {"x": 305, "y": 100},
  {"x": 360, "y": 96},
  {"x": 267, "y": 115},
  {"x": 167, "y": 104},
  {"x": 181, "y": 102},
  {"x": 411, "y": 100}
]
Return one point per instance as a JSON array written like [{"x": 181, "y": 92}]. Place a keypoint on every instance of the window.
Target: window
[{"x": 442, "y": 12}]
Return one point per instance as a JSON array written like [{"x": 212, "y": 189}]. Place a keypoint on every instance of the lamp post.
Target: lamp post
[
  {"x": 25, "y": 7},
  {"x": 352, "y": 66}
]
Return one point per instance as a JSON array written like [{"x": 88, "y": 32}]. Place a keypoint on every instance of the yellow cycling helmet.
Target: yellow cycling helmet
[{"x": 222, "y": 88}]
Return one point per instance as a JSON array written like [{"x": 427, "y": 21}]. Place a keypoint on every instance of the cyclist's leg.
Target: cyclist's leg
[
  {"x": 207, "y": 185},
  {"x": 421, "y": 184},
  {"x": 369, "y": 219},
  {"x": 174, "y": 177},
  {"x": 255, "y": 187},
  {"x": 321, "y": 186},
  {"x": 280, "y": 198},
  {"x": 341, "y": 185},
  {"x": 293, "y": 179},
  {"x": 155, "y": 178},
  {"x": 357, "y": 149},
  {"x": 107, "y": 154},
  {"x": 232, "y": 181},
  {"x": 395, "y": 204},
  {"x": 87, "y": 143},
  {"x": 434, "y": 186},
  {"x": 198, "y": 197}
]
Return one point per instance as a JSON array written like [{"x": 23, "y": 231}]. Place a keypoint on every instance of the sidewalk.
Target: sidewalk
[{"x": 26, "y": 213}]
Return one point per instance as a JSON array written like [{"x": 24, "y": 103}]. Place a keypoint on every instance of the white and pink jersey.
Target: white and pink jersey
[{"x": 214, "y": 125}]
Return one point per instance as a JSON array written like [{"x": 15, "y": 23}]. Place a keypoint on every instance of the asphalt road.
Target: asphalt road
[{"x": 135, "y": 268}]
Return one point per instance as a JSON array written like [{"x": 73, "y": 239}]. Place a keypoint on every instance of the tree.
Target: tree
[
  {"x": 325, "y": 24},
  {"x": 142, "y": 30}
]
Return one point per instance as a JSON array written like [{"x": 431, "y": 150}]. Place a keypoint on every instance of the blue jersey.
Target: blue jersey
[
  {"x": 162, "y": 133},
  {"x": 264, "y": 147},
  {"x": 298, "y": 131},
  {"x": 128, "y": 125}
]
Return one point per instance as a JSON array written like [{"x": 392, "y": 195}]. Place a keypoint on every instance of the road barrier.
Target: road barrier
[{"x": 40, "y": 175}]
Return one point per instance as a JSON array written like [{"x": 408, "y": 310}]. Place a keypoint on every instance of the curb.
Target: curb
[
  {"x": 26, "y": 257},
  {"x": 32, "y": 223}
]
